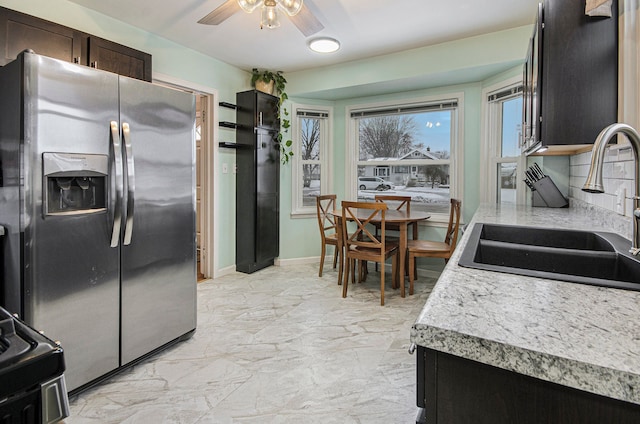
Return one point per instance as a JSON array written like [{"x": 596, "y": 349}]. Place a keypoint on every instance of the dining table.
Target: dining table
[{"x": 402, "y": 219}]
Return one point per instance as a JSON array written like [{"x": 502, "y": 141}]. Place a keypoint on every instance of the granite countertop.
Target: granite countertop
[{"x": 577, "y": 335}]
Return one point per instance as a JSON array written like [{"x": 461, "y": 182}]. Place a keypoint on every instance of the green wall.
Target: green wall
[
  {"x": 468, "y": 60},
  {"x": 462, "y": 65}
]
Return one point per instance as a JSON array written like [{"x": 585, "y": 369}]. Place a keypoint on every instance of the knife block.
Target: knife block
[{"x": 549, "y": 193}]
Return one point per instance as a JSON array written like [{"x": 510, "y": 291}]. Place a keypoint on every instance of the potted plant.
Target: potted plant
[{"x": 274, "y": 83}]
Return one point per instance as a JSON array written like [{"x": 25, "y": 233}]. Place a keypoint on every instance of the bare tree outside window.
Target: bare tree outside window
[
  {"x": 386, "y": 136},
  {"x": 310, "y": 148}
]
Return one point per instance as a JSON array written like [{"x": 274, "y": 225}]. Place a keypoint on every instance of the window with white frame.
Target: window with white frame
[
  {"x": 415, "y": 146},
  {"x": 311, "y": 160},
  {"x": 504, "y": 131}
]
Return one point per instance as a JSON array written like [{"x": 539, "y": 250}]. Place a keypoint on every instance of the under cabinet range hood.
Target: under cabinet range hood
[{"x": 97, "y": 199}]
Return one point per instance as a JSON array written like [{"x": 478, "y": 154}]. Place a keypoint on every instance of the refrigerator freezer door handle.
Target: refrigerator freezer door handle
[
  {"x": 117, "y": 169},
  {"x": 131, "y": 187}
]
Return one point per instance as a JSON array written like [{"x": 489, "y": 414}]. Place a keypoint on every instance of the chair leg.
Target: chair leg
[
  {"x": 345, "y": 284},
  {"x": 324, "y": 251},
  {"x": 335, "y": 256},
  {"x": 341, "y": 267},
  {"x": 381, "y": 283},
  {"x": 353, "y": 270},
  {"x": 363, "y": 271},
  {"x": 412, "y": 269}
]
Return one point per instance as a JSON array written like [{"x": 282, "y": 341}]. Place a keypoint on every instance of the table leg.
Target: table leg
[{"x": 403, "y": 250}]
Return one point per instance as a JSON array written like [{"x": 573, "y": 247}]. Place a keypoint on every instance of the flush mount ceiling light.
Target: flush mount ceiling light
[
  {"x": 299, "y": 14},
  {"x": 324, "y": 45}
]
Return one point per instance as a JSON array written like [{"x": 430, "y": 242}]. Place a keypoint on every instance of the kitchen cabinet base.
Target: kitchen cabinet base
[{"x": 459, "y": 390}]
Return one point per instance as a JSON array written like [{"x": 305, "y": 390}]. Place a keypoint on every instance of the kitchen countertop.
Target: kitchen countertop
[{"x": 577, "y": 335}]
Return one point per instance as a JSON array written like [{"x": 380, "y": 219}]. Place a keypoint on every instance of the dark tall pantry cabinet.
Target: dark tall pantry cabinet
[{"x": 257, "y": 181}]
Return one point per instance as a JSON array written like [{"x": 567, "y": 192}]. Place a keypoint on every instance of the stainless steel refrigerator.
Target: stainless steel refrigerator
[{"x": 98, "y": 203}]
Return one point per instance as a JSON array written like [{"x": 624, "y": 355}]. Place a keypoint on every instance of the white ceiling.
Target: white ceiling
[{"x": 366, "y": 28}]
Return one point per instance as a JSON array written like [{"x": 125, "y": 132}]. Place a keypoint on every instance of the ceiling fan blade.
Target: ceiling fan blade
[
  {"x": 221, "y": 13},
  {"x": 306, "y": 22}
]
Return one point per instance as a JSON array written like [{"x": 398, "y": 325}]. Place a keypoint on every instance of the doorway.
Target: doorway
[
  {"x": 201, "y": 137},
  {"x": 204, "y": 160}
]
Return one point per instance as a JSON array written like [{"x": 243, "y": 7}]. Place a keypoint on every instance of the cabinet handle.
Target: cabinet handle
[{"x": 260, "y": 118}]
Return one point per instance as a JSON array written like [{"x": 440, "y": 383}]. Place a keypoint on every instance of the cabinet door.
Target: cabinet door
[
  {"x": 267, "y": 178},
  {"x": 113, "y": 57},
  {"x": 19, "y": 32},
  {"x": 579, "y": 73},
  {"x": 267, "y": 113},
  {"x": 267, "y": 226}
]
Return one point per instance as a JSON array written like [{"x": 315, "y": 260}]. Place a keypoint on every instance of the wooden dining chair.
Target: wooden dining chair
[
  {"x": 435, "y": 249},
  {"x": 403, "y": 204},
  {"x": 361, "y": 244},
  {"x": 329, "y": 233}
]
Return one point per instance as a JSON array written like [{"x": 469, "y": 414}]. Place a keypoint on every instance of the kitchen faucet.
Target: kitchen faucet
[{"x": 594, "y": 179}]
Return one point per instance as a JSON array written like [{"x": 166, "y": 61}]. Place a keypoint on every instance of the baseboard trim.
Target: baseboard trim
[
  {"x": 301, "y": 261},
  {"x": 224, "y": 271}
]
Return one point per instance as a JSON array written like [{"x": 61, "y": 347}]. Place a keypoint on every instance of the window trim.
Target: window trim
[
  {"x": 326, "y": 155},
  {"x": 456, "y": 161},
  {"x": 489, "y": 148}
]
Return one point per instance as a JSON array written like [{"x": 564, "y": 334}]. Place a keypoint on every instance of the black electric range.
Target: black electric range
[{"x": 32, "y": 388}]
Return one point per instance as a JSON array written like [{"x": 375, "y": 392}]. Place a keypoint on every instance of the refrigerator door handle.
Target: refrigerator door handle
[
  {"x": 117, "y": 169},
  {"x": 131, "y": 187}
]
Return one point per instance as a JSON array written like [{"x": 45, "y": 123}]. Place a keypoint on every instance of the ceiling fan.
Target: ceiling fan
[{"x": 299, "y": 14}]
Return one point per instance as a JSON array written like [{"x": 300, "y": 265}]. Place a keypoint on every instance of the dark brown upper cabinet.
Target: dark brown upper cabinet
[
  {"x": 570, "y": 77},
  {"x": 122, "y": 60},
  {"x": 19, "y": 31}
]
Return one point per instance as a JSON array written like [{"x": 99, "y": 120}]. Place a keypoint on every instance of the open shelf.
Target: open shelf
[
  {"x": 228, "y": 105},
  {"x": 229, "y": 145},
  {"x": 227, "y": 124}
]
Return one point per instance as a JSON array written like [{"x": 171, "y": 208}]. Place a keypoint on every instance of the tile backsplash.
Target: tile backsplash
[{"x": 618, "y": 174}]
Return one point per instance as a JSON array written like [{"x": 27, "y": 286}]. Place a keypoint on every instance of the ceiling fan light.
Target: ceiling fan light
[
  {"x": 249, "y": 5},
  {"x": 292, "y": 7},
  {"x": 324, "y": 45},
  {"x": 269, "y": 17}
]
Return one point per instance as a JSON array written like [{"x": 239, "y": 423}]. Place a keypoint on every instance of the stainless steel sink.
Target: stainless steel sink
[{"x": 587, "y": 257}]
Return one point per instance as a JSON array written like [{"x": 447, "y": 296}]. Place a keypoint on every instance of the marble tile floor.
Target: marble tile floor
[{"x": 277, "y": 346}]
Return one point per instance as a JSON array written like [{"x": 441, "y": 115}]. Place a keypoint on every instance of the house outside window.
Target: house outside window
[
  {"x": 410, "y": 145},
  {"x": 310, "y": 162},
  {"x": 381, "y": 171}
]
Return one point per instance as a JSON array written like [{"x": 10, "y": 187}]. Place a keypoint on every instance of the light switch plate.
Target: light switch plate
[{"x": 620, "y": 200}]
